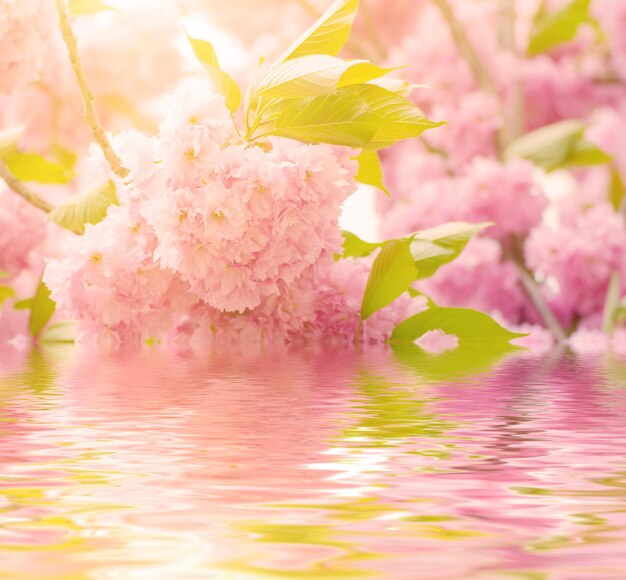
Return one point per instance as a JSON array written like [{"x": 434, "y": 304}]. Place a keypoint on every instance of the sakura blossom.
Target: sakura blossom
[{"x": 26, "y": 29}]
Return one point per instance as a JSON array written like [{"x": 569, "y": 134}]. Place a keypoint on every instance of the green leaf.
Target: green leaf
[
  {"x": 617, "y": 190},
  {"x": 391, "y": 275},
  {"x": 370, "y": 171},
  {"x": 363, "y": 72},
  {"x": 222, "y": 81},
  {"x": 34, "y": 167},
  {"x": 586, "y": 154},
  {"x": 81, "y": 7},
  {"x": 328, "y": 35},
  {"x": 89, "y": 209},
  {"x": 23, "y": 304},
  {"x": 552, "y": 30},
  {"x": 9, "y": 139},
  {"x": 611, "y": 304},
  {"x": 550, "y": 147},
  {"x": 41, "y": 311},
  {"x": 440, "y": 245},
  {"x": 308, "y": 76},
  {"x": 463, "y": 361},
  {"x": 64, "y": 156},
  {"x": 359, "y": 116},
  {"x": 470, "y": 326},
  {"x": 6, "y": 292},
  {"x": 399, "y": 86},
  {"x": 355, "y": 247}
]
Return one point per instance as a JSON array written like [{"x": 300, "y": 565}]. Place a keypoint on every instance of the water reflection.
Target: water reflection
[{"x": 311, "y": 465}]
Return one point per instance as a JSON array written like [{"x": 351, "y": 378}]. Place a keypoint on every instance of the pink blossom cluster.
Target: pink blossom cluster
[
  {"x": 218, "y": 237},
  {"x": 22, "y": 233},
  {"x": 577, "y": 256},
  {"x": 570, "y": 236},
  {"x": 612, "y": 17},
  {"x": 486, "y": 191},
  {"x": 26, "y": 27}
]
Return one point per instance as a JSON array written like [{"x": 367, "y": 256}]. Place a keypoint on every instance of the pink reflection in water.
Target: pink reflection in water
[{"x": 310, "y": 464}]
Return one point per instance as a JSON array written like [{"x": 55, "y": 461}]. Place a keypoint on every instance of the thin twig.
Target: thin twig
[
  {"x": 23, "y": 190},
  {"x": 466, "y": 47},
  {"x": 91, "y": 116},
  {"x": 532, "y": 290},
  {"x": 515, "y": 114}
]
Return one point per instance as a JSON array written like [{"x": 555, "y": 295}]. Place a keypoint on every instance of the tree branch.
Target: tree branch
[
  {"x": 532, "y": 290},
  {"x": 23, "y": 190},
  {"x": 91, "y": 116},
  {"x": 515, "y": 114},
  {"x": 483, "y": 78}
]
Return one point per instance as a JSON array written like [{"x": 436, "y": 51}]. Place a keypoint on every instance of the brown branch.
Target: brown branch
[
  {"x": 533, "y": 292},
  {"x": 91, "y": 115},
  {"x": 515, "y": 114},
  {"x": 23, "y": 190},
  {"x": 483, "y": 78}
]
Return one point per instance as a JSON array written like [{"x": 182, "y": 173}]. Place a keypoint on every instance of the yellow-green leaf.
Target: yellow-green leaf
[
  {"x": 585, "y": 154},
  {"x": 363, "y": 72},
  {"x": 360, "y": 116},
  {"x": 81, "y": 7},
  {"x": 89, "y": 209},
  {"x": 469, "y": 326},
  {"x": 328, "y": 35},
  {"x": 549, "y": 147},
  {"x": 6, "y": 292},
  {"x": 617, "y": 190},
  {"x": 355, "y": 247},
  {"x": 42, "y": 309},
  {"x": 391, "y": 275},
  {"x": 222, "y": 81},
  {"x": 307, "y": 76},
  {"x": 552, "y": 30},
  {"x": 435, "y": 247},
  {"x": 370, "y": 170},
  {"x": 36, "y": 168}
]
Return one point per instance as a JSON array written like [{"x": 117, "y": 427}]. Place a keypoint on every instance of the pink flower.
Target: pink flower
[
  {"x": 612, "y": 17},
  {"x": 26, "y": 27},
  {"x": 479, "y": 279},
  {"x": 109, "y": 282},
  {"x": 22, "y": 232},
  {"x": 576, "y": 258}
]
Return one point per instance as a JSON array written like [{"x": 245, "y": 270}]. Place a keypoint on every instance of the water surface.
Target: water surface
[{"x": 311, "y": 465}]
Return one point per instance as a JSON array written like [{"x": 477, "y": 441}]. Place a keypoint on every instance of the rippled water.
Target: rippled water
[{"x": 311, "y": 465}]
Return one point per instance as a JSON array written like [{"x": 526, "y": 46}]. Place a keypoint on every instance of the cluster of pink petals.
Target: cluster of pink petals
[
  {"x": 22, "y": 233},
  {"x": 486, "y": 191},
  {"x": 238, "y": 221},
  {"x": 322, "y": 306},
  {"x": 26, "y": 27},
  {"x": 479, "y": 278},
  {"x": 109, "y": 281},
  {"x": 577, "y": 258},
  {"x": 612, "y": 17},
  {"x": 575, "y": 238},
  {"x": 219, "y": 238}
]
